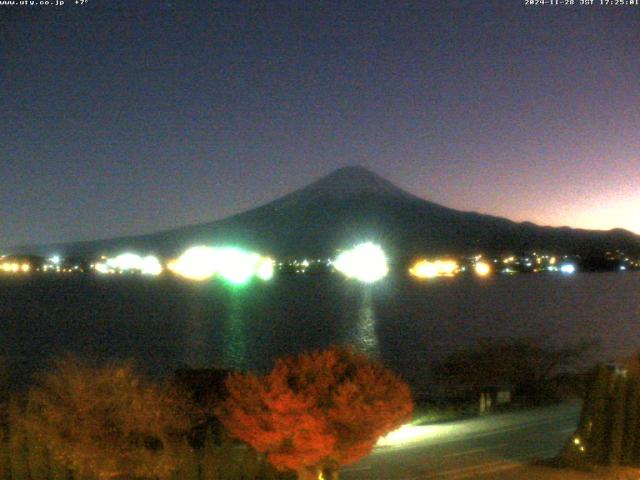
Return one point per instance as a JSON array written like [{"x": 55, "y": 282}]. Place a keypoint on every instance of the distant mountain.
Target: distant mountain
[{"x": 351, "y": 205}]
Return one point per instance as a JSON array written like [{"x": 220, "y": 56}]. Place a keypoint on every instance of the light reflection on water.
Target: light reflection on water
[
  {"x": 407, "y": 324},
  {"x": 197, "y": 331},
  {"x": 234, "y": 352},
  {"x": 366, "y": 338}
]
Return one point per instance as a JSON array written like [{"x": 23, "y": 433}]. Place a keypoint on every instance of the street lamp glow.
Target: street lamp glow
[
  {"x": 424, "y": 269},
  {"x": 439, "y": 268},
  {"x": 265, "y": 268},
  {"x": 125, "y": 262},
  {"x": 235, "y": 265},
  {"x": 196, "y": 263},
  {"x": 101, "y": 267},
  {"x": 365, "y": 262},
  {"x": 482, "y": 269},
  {"x": 408, "y": 434},
  {"x": 150, "y": 265},
  {"x": 568, "y": 268}
]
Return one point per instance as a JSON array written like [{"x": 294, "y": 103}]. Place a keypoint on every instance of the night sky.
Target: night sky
[{"x": 124, "y": 117}]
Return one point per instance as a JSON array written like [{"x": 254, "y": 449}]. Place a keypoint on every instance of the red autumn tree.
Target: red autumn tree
[
  {"x": 109, "y": 422},
  {"x": 316, "y": 411}
]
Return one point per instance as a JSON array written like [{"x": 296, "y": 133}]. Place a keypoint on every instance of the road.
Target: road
[{"x": 476, "y": 448}]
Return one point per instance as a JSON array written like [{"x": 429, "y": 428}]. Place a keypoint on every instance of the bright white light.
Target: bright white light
[
  {"x": 235, "y": 265},
  {"x": 196, "y": 263},
  {"x": 567, "y": 268},
  {"x": 130, "y": 263},
  {"x": 232, "y": 264},
  {"x": 150, "y": 265},
  {"x": 408, "y": 434},
  {"x": 101, "y": 267},
  {"x": 365, "y": 262},
  {"x": 126, "y": 262},
  {"x": 55, "y": 259},
  {"x": 265, "y": 268}
]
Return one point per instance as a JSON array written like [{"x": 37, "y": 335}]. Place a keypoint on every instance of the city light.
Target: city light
[
  {"x": 125, "y": 262},
  {"x": 439, "y": 268},
  {"x": 234, "y": 265},
  {"x": 196, "y": 263},
  {"x": 482, "y": 269},
  {"x": 365, "y": 262},
  {"x": 101, "y": 267},
  {"x": 129, "y": 263},
  {"x": 567, "y": 268},
  {"x": 15, "y": 267},
  {"x": 150, "y": 265},
  {"x": 265, "y": 268},
  {"x": 424, "y": 269}
]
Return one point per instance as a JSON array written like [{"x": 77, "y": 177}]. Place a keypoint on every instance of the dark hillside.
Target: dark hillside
[{"x": 353, "y": 204}]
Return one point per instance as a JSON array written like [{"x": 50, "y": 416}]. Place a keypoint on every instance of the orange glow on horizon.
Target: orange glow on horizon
[{"x": 598, "y": 212}]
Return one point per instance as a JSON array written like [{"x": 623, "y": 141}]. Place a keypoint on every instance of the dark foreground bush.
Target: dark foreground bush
[
  {"x": 83, "y": 422},
  {"x": 24, "y": 457},
  {"x": 534, "y": 370}
]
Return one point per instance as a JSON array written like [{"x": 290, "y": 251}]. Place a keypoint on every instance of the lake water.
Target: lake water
[{"x": 164, "y": 323}]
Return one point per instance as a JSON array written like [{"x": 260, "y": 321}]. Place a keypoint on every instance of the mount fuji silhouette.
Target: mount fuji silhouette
[{"x": 352, "y": 205}]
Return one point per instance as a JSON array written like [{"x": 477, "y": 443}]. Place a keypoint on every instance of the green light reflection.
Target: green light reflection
[{"x": 234, "y": 352}]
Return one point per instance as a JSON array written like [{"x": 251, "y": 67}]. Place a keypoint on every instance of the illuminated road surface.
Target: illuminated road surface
[{"x": 477, "y": 448}]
